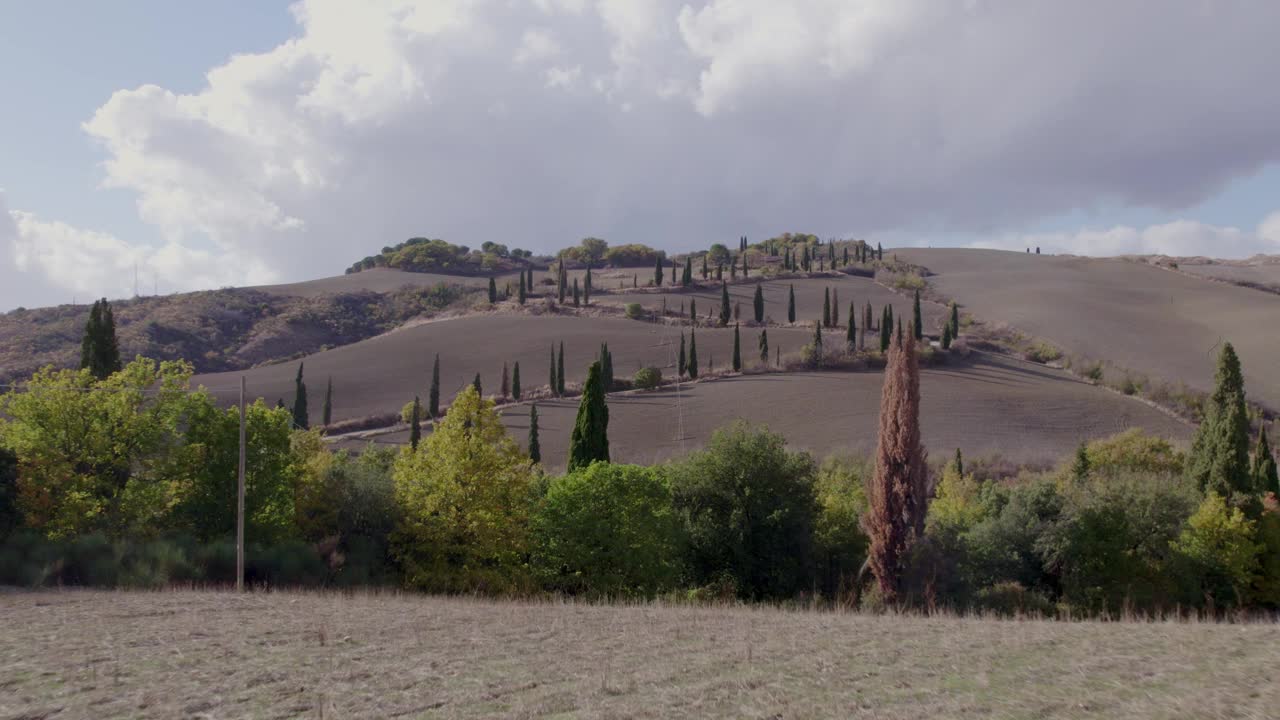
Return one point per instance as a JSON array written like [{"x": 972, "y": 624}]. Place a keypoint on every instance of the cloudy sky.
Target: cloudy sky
[{"x": 250, "y": 141}]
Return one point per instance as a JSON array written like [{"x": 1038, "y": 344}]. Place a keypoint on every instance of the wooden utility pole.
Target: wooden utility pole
[{"x": 240, "y": 500}]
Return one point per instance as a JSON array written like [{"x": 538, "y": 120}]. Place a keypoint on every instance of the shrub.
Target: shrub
[
  {"x": 1011, "y": 599},
  {"x": 635, "y": 311},
  {"x": 841, "y": 545},
  {"x": 1042, "y": 352},
  {"x": 608, "y": 530},
  {"x": 1219, "y": 546},
  {"x": 647, "y": 378}
]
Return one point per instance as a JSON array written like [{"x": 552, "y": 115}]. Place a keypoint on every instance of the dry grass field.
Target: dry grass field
[
  {"x": 1159, "y": 322},
  {"x": 381, "y": 374},
  {"x": 86, "y": 654},
  {"x": 1262, "y": 275},
  {"x": 991, "y": 404}
]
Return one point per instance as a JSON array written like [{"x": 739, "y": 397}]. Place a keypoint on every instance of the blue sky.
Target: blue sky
[{"x": 1089, "y": 128}]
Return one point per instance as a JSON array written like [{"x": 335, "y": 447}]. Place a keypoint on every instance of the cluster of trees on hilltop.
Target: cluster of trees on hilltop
[{"x": 426, "y": 255}]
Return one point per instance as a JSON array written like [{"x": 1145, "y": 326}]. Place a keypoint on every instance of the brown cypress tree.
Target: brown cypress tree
[{"x": 897, "y": 496}]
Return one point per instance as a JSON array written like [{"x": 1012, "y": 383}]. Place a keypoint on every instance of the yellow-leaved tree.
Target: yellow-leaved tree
[{"x": 464, "y": 498}]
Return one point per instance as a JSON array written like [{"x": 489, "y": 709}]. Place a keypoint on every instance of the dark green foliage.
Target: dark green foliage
[
  {"x": 693, "y": 311},
  {"x": 535, "y": 448},
  {"x": 746, "y": 269},
  {"x": 687, "y": 279},
  {"x": 327, "y": 414},
  {"x": 680, "y": 359},
  {"x": 10, "y": 515},
  {"x": 958, "y": 463},
  {"x": 817, "y": 344},
  {"x": 647, "y": 378},
  {"x": 955, "y": 321},
  {"x": 589, "y": 441},
  {"x": 917, "y": 324},
  {"x": 886, "y": 328},
  {"x": 560, "y": 385},
  {"x": 763, "y": 345},
  {"x": 554, "y": 384},
  {"x": 692, "y": 366},
  {"x": 300, "y": 414},
  {"x": 879, "y": 252},
  {"x": 476, "y": 384},
  {"x": 946, "y": 336},
  {"x": 577, "y": 296},
  {"x": 415, "y": 424},
  {"x": 749, "y": 508},
  {"x": 835, "y": 308},
  {"x": 826, "y": 307},
  {"x": 791, "y": 304},
  {"x": 433, "y": 396},
  {"x": 851, "y": 337},
  {"x": 493, "y": 291},
  {"x": 1219, "y": 459},
  {"x": 504, "y": 390},
  {"x": 606, "y": 366},
  {"x": 758, "y": 304},
  {"x": 99, "y": 349},
  {"x": 845, "y": 260},
  {"x": 705, "y": 270},
  {"x": 657, "y": 271},
  {"x": 1265, "y": 478},
  {"x": 562, "y": 282},
  {"x": 737, "y": 350},
  {"x": 726, "y": 312},
  {"x": 1080, "y": 466},
  {"x": 515, "y": 381},
  {"x": 586, "y": 288},
  {"x": 520, "y": 298}
]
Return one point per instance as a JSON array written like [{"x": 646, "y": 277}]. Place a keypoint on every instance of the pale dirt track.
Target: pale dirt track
[
  {"x": 381, "y": 374},
  {"x": 992, "y": 405},
  {"x": 1136, "y": 316},
  {"x": 79, "y": 654}
]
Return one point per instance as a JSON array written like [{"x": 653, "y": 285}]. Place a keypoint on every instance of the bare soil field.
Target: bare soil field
[
  {"x": 809, "y": 296},
  {"x": 988, "y": 405},
  {"x": 1263, "y": 276},
  {"x": 1139, "y": 317},
  {"x": 85, "y": 654},
  {"x": 383, "y": 373},
  {"x": 376, "y": 280}
]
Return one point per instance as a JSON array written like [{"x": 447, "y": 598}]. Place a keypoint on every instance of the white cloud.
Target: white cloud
[{"x": 466, "y": 119}]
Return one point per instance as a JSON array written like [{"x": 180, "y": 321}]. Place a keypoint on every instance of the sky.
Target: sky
[{"x": 240, "y": 142}]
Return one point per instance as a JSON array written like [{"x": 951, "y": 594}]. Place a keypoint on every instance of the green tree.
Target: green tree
[
  {"x": 826, "y": 307},
  {"x": 463, "y": 504},
  {"x": 835, "y": 308},
  {"x": 955, "y": 321},
  {"x": 535, "y": 447},
  {"x": 433, "y": 396},
  {"x": 917, "y": 323},
  {"x": 758, "y": 304},
  {"x": 886, "y": 328},
  {"x": 687, "y": 279},
  {"x": 680, "y": 359},
  {"x": 301, "y": 419},
  {"x": 515, "y": 381},
  {"x": 851, "y": 336},
  {"x": 737, "y": 350},
  {"x": 99, "y": 349},
  {"x": 657, "y": 271},
  {"x": 692, "y": 366},
  {"x": 415, "y": 424},
  {"x": 791, "y": 304},
  {"x": 553, "y": 386},
  {"x": 763, "y": 344},
  {"x": 1264, "y": 466},
  {"x": 562, "y": 281},
  {"x": 493, "y": 291},
  {"x": 726, "y": 312},
  {"x": 589, "y": 441},
  {"x": 520, "y": 298},
  {"x": 504, "y": 389},
  {"x": 705, "y": 270},
  {"x": 10, "y": 512},
  {"x": 586, "y": 288},
  {"x": 749, "y": 508},
  {"x": 560, "y": 383},
  {"x": 476, "y": 384},
  {"x": 946, "y": 336},
  {"x": 577, "y": 296},
  {"x": 1219, "y": 460},
  {"x": 328, "y": 403},
  {"x": 608, "y": 530},
  {"x": 1219, "y": 542},
  {"x": 1080, "y": 467}
]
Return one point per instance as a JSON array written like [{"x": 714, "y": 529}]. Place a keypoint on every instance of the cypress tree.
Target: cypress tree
[
  {"x": 733, "y": 269},
  {"x": 692, "y": 367},
  {"x": 725, "y": 311},
  {"x": 746, "y": 269},
  {"x": 817, "y": 344},
  {"x": 493, "y": 291},
  {"x": 758, "y": 304},
  {"x": 560, "y": 371},
  {"x": 433, "y": 396},
  {"x": 1080, "y": 466},
  {"x": 687, "y": 280},
  {"x": 693, "y": 311},
  {"x": 415, "y": 424},
  {"x": 959, "y": 463},
  {"x": 845, "y": 261},
  {"x": 879, "y": 252},
  {"x": 763, "y": 344},
  {"x": 835, "y": 308},
  {"x": 851, "y": 337},
  {"x": 535, "y": 448},
  {"x": 589, "y": 441},
  {"x": 562, "y": 282},
  {"x": 586, "y": 288},
  {"x": 577, "y": 298},
  {"x": 866, "y": 325},
  {"x": 99, "y": 348},
  {"x": 328, "y": 403},
  {"x": 300, "y": 414},
  {"x": 280, "y": 403},
  {"x": 476, "y": 384},
  {"x": 886, "y": 329},
  {"x": 529, "y": 284},
  {"x": 673, "y": 273},
  {"x": 515, "y": 381},
  {"x": 917, "y": 324},
  {"x": 791, "y": 305},
  {"x": 737, "y": 350},
  {"x": 521, "y": 297},
  {"x": 1219, "y": 459},
  {"x": 955, "y": 321},
  {"x": 705, "y": 270},
  {"x": 680, "y": 361},
  {"x": 899, "y": 330},
  {"x": 657, "y": 271},
  {"x": 826, "y": 307},
  {"x": 1265, "y": 477},
  {"x": 505, "y": 388},
  {"x": 719, "y": 271},
  {"x": 946, "y": 336},
  {"x": 804, "y": 258},
  {"x": 554, "y": 385}
]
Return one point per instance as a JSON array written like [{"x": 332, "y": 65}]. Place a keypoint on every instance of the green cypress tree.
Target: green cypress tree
[
  {"x": 560, "y": 371},
  {"x": 845, "y": 261},
  {"x": 554, "y": 386},
  {"x": 521, "y": 297},
  {"x": 433, "y": 397},
  {"x": 493, "y": 291},
  {"x": 851, "y": 337},
  {"x": 946, "y": 336},
  {"x": 1265, "y": 477},
  {"x": 746, "y": 269},
  {"x": 867, "y": 317},
  {"x": 886, "y": 329},
  {"x": 657, "y": 271},
  {"x": 680, "y": 359},
  {"x": 300, "y": 414},
  {"x": 1080, "y": 467},
  {"x": 535, "y": 448},
  {"x": 758, "y": 304},
  {"x": 835, "y": 308},
  {"x": 577, "y": 297},
  {"x": 673, "y": 272},
  {"x": 693, "y": 311},
  {"x": 706, "y": 271},
  {"x": 955, "y": 321},
  {"x": 737, "y": 350},
  {"x": 476, "y": 384},
  {"x": 726, "y": 312},
  {"x": 280, "y": 404},
  {"x": 719, "y": 272},
  {"x": 917, "y": 324},
  {"x": 1219, "y": 459},
  {"x": 879, "y": 252},
  {"x": 99, "y": 349},
  {"x": 415, "y": 424},
  {"x": 692, "y": 367},
  {"x": 529, "y": 284},
  {"x": 959, "y": 463},
  {"x": 826, "y": 307},
  {"x": 515, "y": 381},
  {"x": 505, "y": 388},
  {"x": 899, "y": 331},
  {"x": 328, "y": 403},
  {"x": 817, "y": 344},
  {"x": 763, "y": 345},
  {"x": 687, "y": 280},
  {"x": 589, "y": 441},
  {"x": 791, "y": 305},
  {"x": 586, "y": 288},
  {"x": 563, "y": 282}
]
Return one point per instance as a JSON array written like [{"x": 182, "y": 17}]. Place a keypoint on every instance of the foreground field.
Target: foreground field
[
  {"x": 216, "y": 655},
  {"x": 1162, "y": 323},
  {"x": 990, "y": 404}
]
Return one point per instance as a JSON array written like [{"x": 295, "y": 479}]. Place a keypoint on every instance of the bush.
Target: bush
[
  {"x": 1042, "y": 352},
  {"x": 838, "y": 538},
  {"x": 647, "y": 378},
  {"x": 608, "y": 530},
  {"x": 1011, "y": 599},
  {"x": 635, "y": 311}
]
